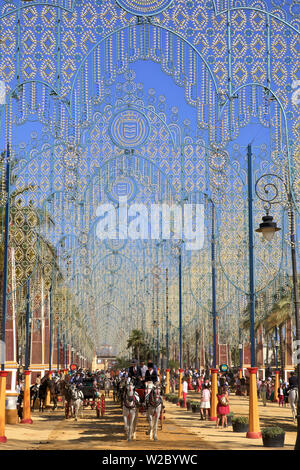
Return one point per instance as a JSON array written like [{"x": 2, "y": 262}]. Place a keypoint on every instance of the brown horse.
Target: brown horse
[
  {"x": 47, "y": 383},
  {"x": 65, "y": 390}
]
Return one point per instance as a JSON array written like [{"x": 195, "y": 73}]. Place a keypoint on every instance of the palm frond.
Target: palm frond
[{"x": 279, "y": 314}]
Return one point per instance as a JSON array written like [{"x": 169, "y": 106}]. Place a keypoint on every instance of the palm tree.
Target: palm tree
[
  {"x": 277, "y": 317},
  {"x": 246, "y": 322},
  {"x": 136, "y": 342},
  {"x": 122, "y": 363}
]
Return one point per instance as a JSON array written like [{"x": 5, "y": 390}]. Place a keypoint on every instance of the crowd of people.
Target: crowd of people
[
  {"x": 228, "y": 383},
  {"x": 193, "y": 379}
]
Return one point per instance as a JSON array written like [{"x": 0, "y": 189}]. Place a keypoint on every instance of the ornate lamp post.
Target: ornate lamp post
[
  {"x": 268, "y": 228},
  {"x": 214, "y": 370},
  {"x": 5, "y": 268},
  {"x": 28, "y": 329},
  {"x": 254, "y": 429},
  {"x": 167, "y": 319},
  {"x": 50, "y": 327}
]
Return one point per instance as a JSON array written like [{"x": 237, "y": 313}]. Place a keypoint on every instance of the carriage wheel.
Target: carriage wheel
[{"x": 98, "y": 409}]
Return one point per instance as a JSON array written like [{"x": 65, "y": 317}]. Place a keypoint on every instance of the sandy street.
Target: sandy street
[{"x": 182, "y": 430}]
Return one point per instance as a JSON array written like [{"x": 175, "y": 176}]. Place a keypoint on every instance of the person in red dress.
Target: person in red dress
[
  {"x": 199, "y": 385},
  {"x": 222, "y": 407},
  {"x": 189, "y": 381}
]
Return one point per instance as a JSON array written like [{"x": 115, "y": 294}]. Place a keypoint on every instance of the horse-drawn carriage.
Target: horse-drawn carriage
[
  {"x": 146, "y": 403},
  {"x": 90, "y": 392},
  {"x": 82, "y": 396},
  {"x": 93, "y": 397}
]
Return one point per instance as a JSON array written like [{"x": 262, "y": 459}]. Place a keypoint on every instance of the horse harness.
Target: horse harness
[
  {"x": 131, "y": 404},
  {"x": 149, "y": 401},
  {"x": 77, "y": 394}
]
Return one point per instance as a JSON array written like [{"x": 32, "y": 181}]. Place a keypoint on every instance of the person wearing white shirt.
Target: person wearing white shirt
[
  {"x": 184, "y": 390},
  {"x": 144, "y": 368}
]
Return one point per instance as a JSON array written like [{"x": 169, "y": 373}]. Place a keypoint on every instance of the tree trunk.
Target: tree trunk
[
  {"x": 274, "y": 353},
  {"x": 207, "y": 363},
  {"x": 197, "y": 336}
]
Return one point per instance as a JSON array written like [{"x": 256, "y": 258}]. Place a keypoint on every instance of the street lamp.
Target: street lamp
[
  {"x": 270, "y": 230},
  {"x": 213, "y": 280},
  {"x": 268, "y": 227},
  {"x": 5, "y": 264}
]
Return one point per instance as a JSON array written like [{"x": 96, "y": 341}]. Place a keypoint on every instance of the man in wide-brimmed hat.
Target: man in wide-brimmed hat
[
  {"x": 151, "y": 374},
  {"x": 134, "y": 372}
]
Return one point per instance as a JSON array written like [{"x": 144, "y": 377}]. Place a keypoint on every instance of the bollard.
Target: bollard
[
  {"x": 168, "y": 381},
  {"x": 26, "y": 403},
  {"x": 3, "y": 376},
  {"x": 11, "y": 412},
  {"x": 180, "y": 385},
  {"x": 275, "y": 399},
  {"x": 48, "y": 394},
  {"x": 214, "y": 392},
  {"x": 254, "y": 429},
  {"x": 48, "y": 399},
  {"x": 102, "y": 405}
]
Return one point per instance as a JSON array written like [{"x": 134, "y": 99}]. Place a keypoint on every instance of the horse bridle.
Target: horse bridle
[
  {"x": 131, "y": 403},
  {"x": 74, "y": 394},
  {"x": 156, "y": 403}
]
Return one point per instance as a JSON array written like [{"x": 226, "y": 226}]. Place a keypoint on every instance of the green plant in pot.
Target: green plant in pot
[
  {"x": 229, "y": 418},
  {"x": 194, "y": 406},
  {"x": 188, "y": 404},
  {"x": 181, "y": 402},
  {"x": 240, "y": 423},
  {"x": 273, "y": 436}
]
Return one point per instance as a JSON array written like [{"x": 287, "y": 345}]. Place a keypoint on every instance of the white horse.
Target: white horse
[
  {"x": 107, "y": 386},
  {"x": 77, "y": 398},
  {"x": 130, "y": 411},
  {"x": 154, "y": 407},
  {"x": 293, "y": 400}
]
